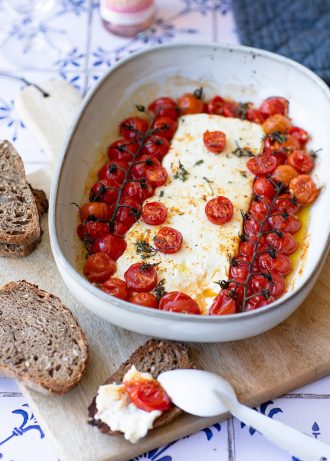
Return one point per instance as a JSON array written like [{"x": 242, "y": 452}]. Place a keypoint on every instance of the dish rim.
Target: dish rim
[{"x": 93, "y": 290}]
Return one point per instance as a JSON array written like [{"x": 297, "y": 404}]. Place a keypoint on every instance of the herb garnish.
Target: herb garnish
[
  {"x": 277, "y": 137},
  {"x": 314, "y": 153},
  {"x": 210, "y": 184},
  {"x": 140, "y": 108},
  {"x": 199, "y": 93},
  {"x": 242, "y": 109},
  {"x": 144, "y": 249},
  {"x": 160, "y": 289},
  {"x": 242, "y": 151},
  {"x": 181, "y": 173},
  {"x": 161, "y": 193},
  {"x": 243, "y": 173},
  {"x": 199, "y": 162}
]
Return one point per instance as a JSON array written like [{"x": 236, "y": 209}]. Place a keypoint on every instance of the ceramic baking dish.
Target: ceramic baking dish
[{"x": 242, "y": 73}]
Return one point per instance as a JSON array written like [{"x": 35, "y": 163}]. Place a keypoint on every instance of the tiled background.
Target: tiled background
[{"x": 91, "y": 50}]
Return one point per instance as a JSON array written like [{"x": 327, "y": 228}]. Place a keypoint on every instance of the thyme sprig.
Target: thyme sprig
[
  {"x": 277, "y": 136},
  {"x": 160, "y": 289},
  {"x": 209, "y": 183},
  {"x": 144, "y": 249},
  {"x": 242, "y": 151},
  {"x": 181, "y": 173}
]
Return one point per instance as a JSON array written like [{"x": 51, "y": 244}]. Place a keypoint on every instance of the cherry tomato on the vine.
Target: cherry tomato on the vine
[
  {"x": 92, "y": 230},
  {"x": 215, "y": 105},
  {"x": 304, "y": 189},
  {"x": 263, "y": 165},
  {"x": 175, "y": 301},
  {"x": 95, "y": 210},
  {"x": 156, "y": 176},
  {"x": 285, "y": 243},
  {"x": 282, "y": 223},
  {"x": 190, "y": 104},
  {"x": 255, "y": 115},
  {"x": 122, "y": 150},
  {"x": 111, "y": 245},
  {"x": 264, "y": 188},
  {"x": 222, "y": 305},
  {"x": 164, "y": 107},
  {"x": 133, "y": 127},
  {"x": 300, "y": 134},
  {"x": 274, "y": 105},
  {"x": 144, "y": 299},
  {"x": 143, "y": 163},
  {"x": 284, "y": 174},
  {"x": 116, "y": 287},
  {"x": 276, "y": 122},
  {"x": 280, "y": 263},
  {"x": 165, "y": 127},
  {"x": 301, "y": 161}
]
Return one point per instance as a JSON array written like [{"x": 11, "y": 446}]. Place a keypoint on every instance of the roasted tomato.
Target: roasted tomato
[
  {"x": 275, "y": 105},
  {"x": 154, "y": 213},
  {"x": 280, "y": 263},
  {"x": 114, "y": 170},
  {"x": 133, "y": 127},
  {"x": 284, "y": 243},
  {"x": 148, "y": 395},
  {"x": 95, "y": 210},
  {"x": 214, "y": 141},
  {"x": 264, "y": 188},
  {"x": 278, "y": 123},
  {"x": 223, "y": 305},
  {"x": 164, "y": 107},
  {"x": 284, "y": 174},
  {"x": 144, "y": 299},
  {"x": 255, "y": 115},
  {"x": 301, "y": 161},
  {"x": 215, "y": 105},
  {"x": 144, "y": 162},
  {"x": 99, "y": 267},
  {"x": 156, "y": 146},
  {"x": 179, "y": 302},
  {"x": 219, "y": 210},
  {"x": 156, "y": 176},
  {"x": 189, "y": 103},
  {"x": 168, "y": 240},
  {"x": 141, "y": 277},
  {"x": 285, "y": 223},
  {"x": 300, "y": 134},
  {"x": 106, "y": 190},
  {"x": 165, "y": 127},
  {"x": 92, "y": 230},
  {"x": 262, "y": 166},
  {"x": 116, "y": 287},
  {"x": 112, "y": 245},
  {"x": 122, "y": 150},
  {"x": 304, "y": 189}
]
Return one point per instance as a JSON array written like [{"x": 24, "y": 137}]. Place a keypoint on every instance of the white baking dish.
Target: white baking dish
[{"x": 242, "y": 73}]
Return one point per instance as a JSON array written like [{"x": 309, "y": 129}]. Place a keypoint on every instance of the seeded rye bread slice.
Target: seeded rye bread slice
[
  {"x": 41, "y": 343},
  {"x": 154, "y": 357},
  {"x": 19, "y": 218}
]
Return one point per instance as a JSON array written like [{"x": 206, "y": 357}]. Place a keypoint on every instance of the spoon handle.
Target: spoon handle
[{"x": 295, "y": 442}]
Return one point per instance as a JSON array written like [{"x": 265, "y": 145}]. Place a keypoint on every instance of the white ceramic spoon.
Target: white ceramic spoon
[{"x": 202, "y": 393}]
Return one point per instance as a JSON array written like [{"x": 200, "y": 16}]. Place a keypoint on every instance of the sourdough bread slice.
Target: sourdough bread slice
[
  {"x": 16, "y": 250},
  {"x": 41, "y": 200},
  {"x": 41, "y": 343},
  {"x": 19, "y": 218},
  {"x": 154, "y": 357}
]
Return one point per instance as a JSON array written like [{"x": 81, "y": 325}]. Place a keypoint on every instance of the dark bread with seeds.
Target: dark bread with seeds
[
  {"x": 154, "y": 357},
  {"x": 41, "y": 343},
  {"x": 41, "y": 200},
  {"x": 15, "y": 250},
  {"x": 19, "y": 218}
]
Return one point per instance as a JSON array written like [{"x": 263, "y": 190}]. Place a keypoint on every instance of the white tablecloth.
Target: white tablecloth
[{"x": 92, "y": 50}]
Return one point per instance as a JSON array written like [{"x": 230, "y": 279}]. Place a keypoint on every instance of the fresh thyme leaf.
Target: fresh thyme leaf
[
  {"x": 199, "y": 93},
  {"x": 210, "y": 184},
  {"x": 242, "y": 151},
  {"x": 144, "y": 249},
  {"x": 242, "y": 109},
  {"x": 161, "y": 193},
  {"x": 181, "y": 173},
  {"x": 277, "y": 137},
  {"x": 199, "y": 162},
  {"x": 314, "y": 153},
  {"x": 140, "y": 108},
  {"x": 243, "y": 173},
  {"x": 160, "y": 289}
]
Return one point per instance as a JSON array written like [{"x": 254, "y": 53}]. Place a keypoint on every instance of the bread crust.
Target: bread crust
[
  {"x": 50, "y": 384},
  {"x": 177, "y": 356}
]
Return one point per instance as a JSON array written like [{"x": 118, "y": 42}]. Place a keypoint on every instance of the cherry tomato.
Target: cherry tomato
[
  {"x": 175, "y": 301},
  {"x": 144, "y": 299},
  {"x": 246, "y": 249},
  {"x": 255, "y": 115},
  {"x": 133, "y": 190},
  {"x": 285, "y": 244},
  {"x": 147, "y": 191},
  {"x": 190, "y": 104},
  {"x": 304, "y": 189},
  {"x": 156, "y": 146},
  {"x": 164, "y": 107},
  {"x": 148, "y": 395},
  {"x": 274, "y": 105},
  {"x": 156, "y": 176},
  {"x": 278, "y": 123},
  {"x": 280, "y": 146},
  {"x": 122, "y": 150},
  {"x": 154, "y": 213},
  {"x": 133, "y": 127},
  {"x": 165, "y": 127},
  {"x": 92, "y": 230},
  {"x": 92, "y": 210},
  {"x": 258, "y": 209},
  {"x": 290, "y": 224},
  {"x": 141, "y": 277},
  {"x": 215, "y": 105},
  {"x": 230, "y": 109},
  {"x": 116, "y": 287},
  {"x": 129, "y": 212},
  {"x": 239, "y": 270},
  {"x": 287, "y": 203},
  {"x": 99, "y": 267},
  {"x": 215, "y": 141},
  {"x": 264, "y": 188},
  {"x": 115, "y": 170},
  {"x": 284, "y": 174},
  {"x": 168, "y": 240},
  {"x": 258, "y": 301},
  {"x": 276, "y": 286},
  {"x": 235, "y": 291},
  {"x": 300, "y": 134},
  {"x": 280, "y": 263},
  {"x": 301, "y": 161},
  {"x": 222, "y": 305},
  {"x": 219, "y": 210},
  {"x": 262, "y": 166},
  {"x": 119, "y": 229},
  {"x": 143, "y": 163},
  {"x": 111, "y": 245},
  {"x": 252, "y": 226},
  {"x": 106, "y": 191}
]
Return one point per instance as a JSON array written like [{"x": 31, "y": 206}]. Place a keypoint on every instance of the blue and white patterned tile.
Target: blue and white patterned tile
[{"x": 307, "y": 415}]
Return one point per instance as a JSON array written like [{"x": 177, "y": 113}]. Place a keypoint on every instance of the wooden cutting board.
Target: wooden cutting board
[{"x": 261, "y": 368}]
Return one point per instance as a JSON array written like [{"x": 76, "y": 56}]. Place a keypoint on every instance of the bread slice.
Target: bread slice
[
  {"x": 41, "y": 200},
  {"x": 154, "y": 357},
  {"x": 41, "y": 343},
  {"x": 19, "y": 218}
]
